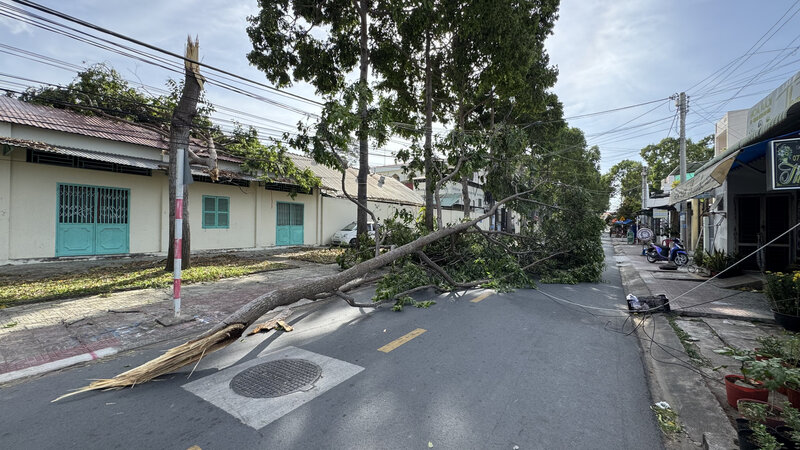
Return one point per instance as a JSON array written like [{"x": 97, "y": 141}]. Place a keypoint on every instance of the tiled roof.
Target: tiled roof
[
  {"x": 386, "y": 190},
  {"x": 21, "y": 113},
  {"x": 49, "y": 118}
]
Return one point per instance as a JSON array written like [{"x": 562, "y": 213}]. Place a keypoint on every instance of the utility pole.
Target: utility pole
[
  {"x": 684, "y": 209},
  {"x": 645, "y": 192}
]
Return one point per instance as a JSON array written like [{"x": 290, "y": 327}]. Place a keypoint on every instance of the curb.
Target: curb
[
  {"x": 663, "y": 386},
  {"x": 57, "y": 364}
]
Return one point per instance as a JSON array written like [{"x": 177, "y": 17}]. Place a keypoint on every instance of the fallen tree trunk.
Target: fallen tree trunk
[{"x": 233, "y": 326}]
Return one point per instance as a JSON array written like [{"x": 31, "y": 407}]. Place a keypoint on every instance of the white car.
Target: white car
[{"x": 347, "y": 235}]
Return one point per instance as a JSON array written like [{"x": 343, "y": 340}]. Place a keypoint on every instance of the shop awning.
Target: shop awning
[{"x": 708, "y": 178}]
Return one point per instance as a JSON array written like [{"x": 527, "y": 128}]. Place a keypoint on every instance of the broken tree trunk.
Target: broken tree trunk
[
  {"x": 180, "y": 127},
  {"x": 233, "y": 326}
]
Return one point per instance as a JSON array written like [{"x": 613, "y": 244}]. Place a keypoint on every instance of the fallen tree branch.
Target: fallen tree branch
[
  {"x": 352, "y": 301},
  {"x": 233, "y": 326},
  {"x": 545, "y": 259}
]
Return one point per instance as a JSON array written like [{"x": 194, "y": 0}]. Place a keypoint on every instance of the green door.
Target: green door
[
  {"x": 92, "y": 220},
  {"x": 289, "y": 230}
]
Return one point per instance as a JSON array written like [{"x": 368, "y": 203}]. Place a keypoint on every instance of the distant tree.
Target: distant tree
[
  {"x": 664, "y": 157},
  {"x": 625, "y": 178}
]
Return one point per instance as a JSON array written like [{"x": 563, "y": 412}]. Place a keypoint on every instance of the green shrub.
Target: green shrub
[{"x": 783, "y": 292}]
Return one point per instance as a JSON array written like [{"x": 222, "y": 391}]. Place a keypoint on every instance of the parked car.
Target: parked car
[{"x": 347, "y": 235}]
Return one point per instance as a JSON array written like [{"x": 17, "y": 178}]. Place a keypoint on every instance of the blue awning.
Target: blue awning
[{"x": 758, "y": 150}]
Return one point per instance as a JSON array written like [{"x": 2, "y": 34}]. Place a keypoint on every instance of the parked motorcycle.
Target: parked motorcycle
[{"x": 676, "y": 253}]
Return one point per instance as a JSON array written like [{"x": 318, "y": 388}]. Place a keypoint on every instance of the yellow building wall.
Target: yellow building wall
[
  {"x": 28, "y": 201},
  {"x": 33, "y": 199},
  {"x": 241, "y": 230},
  {"x": 697, "y": 223}
]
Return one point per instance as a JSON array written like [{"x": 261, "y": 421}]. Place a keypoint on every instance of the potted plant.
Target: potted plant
[
  {"x": 761, "y": 412},
  {"x": 717, "y": 261},
  {"x": 769, "y": 347},
  {"x": 791, "y": 417},
  {"x": 783, "y": 293},
  {"x": 699, "y": 257},
  {"x": 742, "y": 386},
  {"x": 757, "y": 432}
]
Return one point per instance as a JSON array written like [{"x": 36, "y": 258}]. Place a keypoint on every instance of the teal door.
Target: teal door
[
  {"x": 289, "y": 229},
  {"x": 92, "y": 220}
]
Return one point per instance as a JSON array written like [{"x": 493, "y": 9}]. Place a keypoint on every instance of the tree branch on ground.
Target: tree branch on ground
[{"x": 233, "y": 326}]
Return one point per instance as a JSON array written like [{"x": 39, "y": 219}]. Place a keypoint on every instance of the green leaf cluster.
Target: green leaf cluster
[
  {"x": 664, "y": 157},
  {"x": 625, "y": 181},
  {"x": 101, "y": 90}
]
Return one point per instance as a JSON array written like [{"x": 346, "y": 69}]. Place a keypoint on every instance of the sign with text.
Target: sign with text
[
  {"x": 772, "y": 108},
  {"x": 784, "y": 164}
]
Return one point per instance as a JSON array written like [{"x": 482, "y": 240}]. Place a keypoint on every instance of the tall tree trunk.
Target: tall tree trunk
[
  {"x": 429, "y": 181},
  {"x": 465, "y": 194},
  {"x": 363, "y": 144},
  {"x": 180, "y": 127},
  {"x": 465, "y": 179}
]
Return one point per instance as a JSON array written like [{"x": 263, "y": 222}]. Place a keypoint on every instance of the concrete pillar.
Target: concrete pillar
[
  {"x": 5, "y": 208},
  {"x": 164, "y": 233},
  {"x": 261, "y": 197}
]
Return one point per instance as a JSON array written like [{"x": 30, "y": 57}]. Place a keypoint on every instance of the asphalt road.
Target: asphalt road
[{"x": 513, "y": 370}]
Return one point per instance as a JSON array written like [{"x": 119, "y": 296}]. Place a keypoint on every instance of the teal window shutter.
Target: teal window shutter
[{"x": 216, "y": 212}]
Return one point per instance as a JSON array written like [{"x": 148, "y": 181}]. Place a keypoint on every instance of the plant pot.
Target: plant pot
[
  {"x": 736, "y": 392},
  {"x": 773, "y": 420},
  {"x": 744, "y": 432},
  {"x": 787, "y": 321},
  {"x": 794, "y": 397}
]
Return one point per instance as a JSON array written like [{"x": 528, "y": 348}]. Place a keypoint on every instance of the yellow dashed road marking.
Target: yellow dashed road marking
[
  {"x": 481, "y": 297},
  {"x": 401, "y": 340}
]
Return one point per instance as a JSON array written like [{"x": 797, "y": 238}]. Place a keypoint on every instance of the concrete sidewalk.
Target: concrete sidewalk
[
  {"x": 684, "y": 370},
  {"x": 42, "y": 337}
]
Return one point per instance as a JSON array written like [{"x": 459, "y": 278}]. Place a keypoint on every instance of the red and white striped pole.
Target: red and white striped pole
[{"x": 176, "y": 284}]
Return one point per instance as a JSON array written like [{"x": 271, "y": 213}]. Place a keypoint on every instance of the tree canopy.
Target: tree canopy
[
  {"x": 664, "y": 157},
  {"x": 625, "y": 179},
  {"x": 100, "y": 90}
]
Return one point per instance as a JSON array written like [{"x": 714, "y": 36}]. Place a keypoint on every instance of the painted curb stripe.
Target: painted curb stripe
[
  {"x": 481, "y": 297},
  {"x": 55, "y": 365},
  {"x": 401, "y": 340}
]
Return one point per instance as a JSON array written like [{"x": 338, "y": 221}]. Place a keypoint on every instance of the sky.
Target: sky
[{"x": 611, "y": 55}]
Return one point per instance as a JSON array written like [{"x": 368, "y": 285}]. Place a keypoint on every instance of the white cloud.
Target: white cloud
[
  {"x": 605, "y": 47},
  {"x": 15, "y": 26}
]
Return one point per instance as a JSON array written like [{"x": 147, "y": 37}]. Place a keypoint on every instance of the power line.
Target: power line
[
  {"x": 749, "y": 52},
  {"x": 158, "y": 49}
]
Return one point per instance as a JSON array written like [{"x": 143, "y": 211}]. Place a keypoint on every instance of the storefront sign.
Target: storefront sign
[
  {"x": 784, "y": 164},
  {"x": 772, "y": 108},
  {"x": 662, "y": 214}
]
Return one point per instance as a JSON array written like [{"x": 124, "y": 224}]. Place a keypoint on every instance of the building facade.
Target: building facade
[{"x": 73, "y": 185}]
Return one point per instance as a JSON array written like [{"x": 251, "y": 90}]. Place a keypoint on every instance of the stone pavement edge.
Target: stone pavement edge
[{"x": 42, "y": 337}]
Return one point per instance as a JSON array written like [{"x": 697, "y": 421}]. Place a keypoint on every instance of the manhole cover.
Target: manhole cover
[{"x": 275, "y": 378}]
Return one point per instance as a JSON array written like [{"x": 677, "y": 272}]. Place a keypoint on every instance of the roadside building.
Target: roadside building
[
  {"x": 73, "y": 185},
  {"x": 754, "y": 183},
  {"x": 452, "y": 199}
]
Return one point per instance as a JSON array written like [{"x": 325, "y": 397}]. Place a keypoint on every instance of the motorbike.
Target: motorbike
[{"x": 676, "y": 253}]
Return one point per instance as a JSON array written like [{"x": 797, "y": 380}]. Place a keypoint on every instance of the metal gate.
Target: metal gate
[
  {"x": 92, "y": 220},
  {"x": 289, "y": 230}
]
